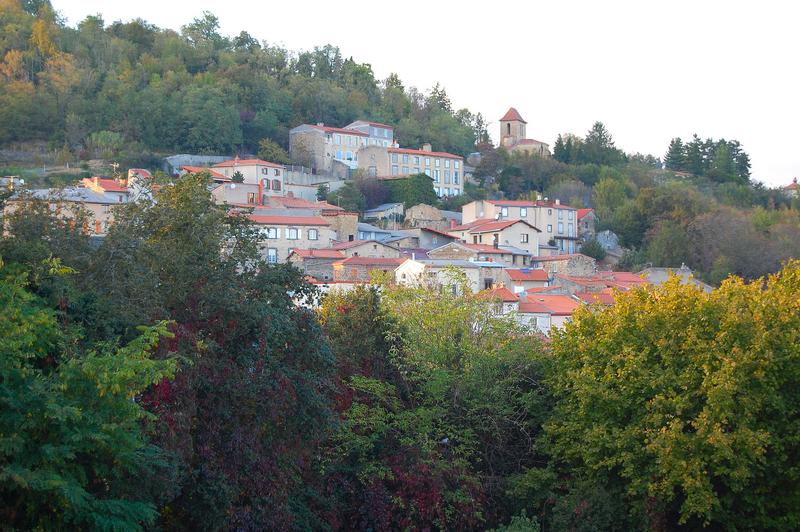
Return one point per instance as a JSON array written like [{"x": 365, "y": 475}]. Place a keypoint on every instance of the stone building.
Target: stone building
[{"x": 513, "y": 138}]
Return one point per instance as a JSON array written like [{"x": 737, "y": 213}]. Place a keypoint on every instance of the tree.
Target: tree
[
  {"x": 269, "y": 150},
  {"x": 593, "y": 248},
  {"x": 675, "y": 159},
  {"x": 322, "y": 192},
  {"x": 686, "y": 402},
  {"x": 73, "y": 453},
  {"x": 598, "y": 147},
  {"x": 560, "y": 152},
  {"x": 348, "y": 197},
  {"x": 412, "y": 190},
  {"x": 237, "y": 177},
  {"x": 608, "y": 195}
]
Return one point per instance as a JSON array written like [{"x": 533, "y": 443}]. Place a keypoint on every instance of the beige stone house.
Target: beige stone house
[
  {"x": 517, "y": 232},
  {"x": 574, "y": 264},
  {"x": 445, "y": 169},
  {"x": 367, "y": 248},
  {"x": 318, "y": 263},
  {"x": 557, "y": 223},
  {"x": 330, "y": 150},
  {"x": 363, "y": 269},
  {"x": 271, "y": 177},
  {"x": 505, "y": 255},
  {"x": 519, "y": 280},
  {"x": 281, "y": 233}
]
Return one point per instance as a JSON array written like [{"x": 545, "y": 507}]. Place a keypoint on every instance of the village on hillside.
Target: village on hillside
[{"x": 525, "y": 254}]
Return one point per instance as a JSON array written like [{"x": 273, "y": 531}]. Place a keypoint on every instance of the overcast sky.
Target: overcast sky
[{"x": 649, "y": 70}]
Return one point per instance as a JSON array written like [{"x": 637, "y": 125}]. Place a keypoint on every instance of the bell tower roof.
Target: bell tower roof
[{"x": 512, "y": 115}]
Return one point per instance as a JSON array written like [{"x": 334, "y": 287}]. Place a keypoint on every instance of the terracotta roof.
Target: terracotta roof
[
  {"x": 109, "y": 185},
  {"x": 512, "y": 203},
  {"x": 354, "y": 243},
  {"x": 410, "y": 151},
  {"x": 436, "y": 231},
  {"x": 142, "y": 172},
  {"x": 557, "y": 305},
  {"x": 583, "y": 281},
  {"x": 300, "y": 203},
  {"x": 318, "y": 253},
  {"x": 371, "y": 261},
  {"x": 288, "y": 220},
  {"x": 328, "y": 129},
  {"x": 526, "y": 274},
  {"x": 604, "y": 297},
  {"x": 499, "y": 292},
  {"x": 469, "y": 225},
  {"x": 792, "y": 185},
  {"x": 246, "y": 162},
  {"x": 499, "y": 225},
  {"x": 512, "y": 114},
  {"x": 565, "y": 256},
  {"x": 583, "y": 212},
  {"x": 197, "y": 169}
]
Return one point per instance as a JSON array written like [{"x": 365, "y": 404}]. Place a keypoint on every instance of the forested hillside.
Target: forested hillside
[{"x": 130, "y": 88}]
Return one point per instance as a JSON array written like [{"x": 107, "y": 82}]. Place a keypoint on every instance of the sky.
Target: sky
[{"x": 649, "y": 70}]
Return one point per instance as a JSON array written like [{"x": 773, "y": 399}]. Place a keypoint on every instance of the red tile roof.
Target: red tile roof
[
  {"x": 197, "y": 169},
  {"x": 288, "y": 220},
  {"x": 328, "y": 129},
  {"x": 300, "y": 203},
  {"x": 583, "y": 212},
  {"x": 512, "y": 203},
  {"x": 371, "y": 261},
  {"x": 557, "y": 305},
  {"x": 603, "y": 297},
  {"x": 565, "y": 256},
  {"x": 355, "y": 243},
  {"x": 424, "y": 153},
  {"x": 246, "y": 162},
  {"x": 792, "y": 185},
  {"x": 527, "y": 274},
  {"x": 499, "y": 225},
  {"x": 471, "y": 224},
  {"x": 436, "y": 231},
  {"x": 318, "y": 253},
  {"x": 500, "y": 292},
  {"x": 109, "y": 185},
  {"x": 512, "y": 114}
]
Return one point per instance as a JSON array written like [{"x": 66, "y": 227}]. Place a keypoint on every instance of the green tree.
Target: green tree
[
  {"x": 72, "y": 450},
  {"x": 675, "y": 159},
  {"x": 685, "y": 400},
  {"x": 348, "y": 197},
  {"x": 593, "y": 248},
  {"x": 269, "y": 150}
]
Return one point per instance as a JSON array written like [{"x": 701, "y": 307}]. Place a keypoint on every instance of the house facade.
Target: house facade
[
  {"x": 508, "y": 232},
  {"x": 270, "y": 176},
  {"x": 281, "y": 234},
  {"x": 445, "y": 169}
]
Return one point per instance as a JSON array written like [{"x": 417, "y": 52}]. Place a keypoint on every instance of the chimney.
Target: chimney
[
  {"x": 426, "y": 146},
  {"x": 96, "y": 181},
  {"x": 558, "y": 201},
  {"x": 452, "y": 223},
  {"x": 321, "y": 124}
]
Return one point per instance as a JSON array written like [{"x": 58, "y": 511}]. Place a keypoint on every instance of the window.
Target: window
[
  {"x": 427, "y": 161},
  {"x": 251, "y": 198},
  {"x": 349, "y": 156},
  {"x": 416, "y": 159},
  {"x": 292, "y": 233},
  {"x": 549, "y": 212},
  {"x": 447, "y": 163},
  {"x": 362, "y": 235},
  {"x": 265, "y": 184},
  {"x": 438, "y": 161},
  {"x": 394, "y": 157},
  {"x": 386, "y": 133},
  {"x": 272, "y": 255},
  {"x": 313, "y": 234},
  {"x": 405, "y": 170},
  {"x": 447, "y": 176},
  {"x": 457, "y": 164},
  {"x": 394, "y": 169},
  {"x": 416, "y": 169},
  {"x": 438, "y": 193},
  {"x": 264, "y": 170},
  {"x": 277, "y": 171},
  {"x": 270, "y": 232},
  {"x": 504, "y": 212},
  {"x": 455, "y": 178},
  {"x": 405, "y": 158},
  {"x": 436, "y": 176},
  {"x": 549, "y": 228},
  {"x": 337, "y": 139},
  {"x": 523, "y": 212},
  {"x": 560, "y": 228},
  {"x": 428, "y": 172},
  {"x": 447, "y": 191},
  {"x": 523, "y": 238},
  {"x": 120, "y": 198},
  {"x": 570, "y": 214},
  {"x": 569, "y": 229},
  {"x": 276, "y": 184},
  {"x": 560, "y": 214},
  {"x": 339, "y": 154}
]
